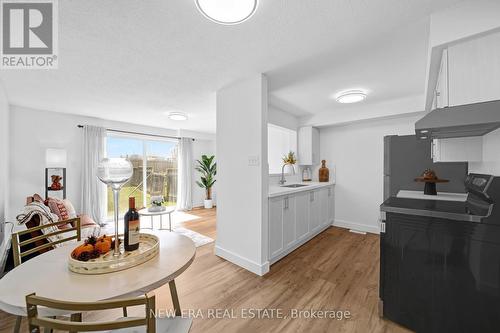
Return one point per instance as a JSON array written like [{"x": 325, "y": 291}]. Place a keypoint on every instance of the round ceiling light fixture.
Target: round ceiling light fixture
[
  {"x": 177, "y": 116},
  {"x": 351, "y": 96},
  {"x": 227, "y": 12}
]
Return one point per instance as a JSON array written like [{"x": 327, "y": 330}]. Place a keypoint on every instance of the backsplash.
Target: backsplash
[
  {"x": 274, "y": 179},
  {"x": 491, "y": 155}
]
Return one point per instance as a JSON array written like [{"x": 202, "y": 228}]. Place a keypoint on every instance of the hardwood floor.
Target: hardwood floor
[{"x": 337, "y": 270}]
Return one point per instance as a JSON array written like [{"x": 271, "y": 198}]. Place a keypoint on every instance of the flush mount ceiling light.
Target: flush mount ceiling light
[
  {"x": 227, "y": 11},
  {"x": 351, "y": 96},
  {"x": 177, "y": 116}
]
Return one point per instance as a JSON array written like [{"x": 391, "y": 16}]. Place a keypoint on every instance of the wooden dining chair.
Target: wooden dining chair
[
  {"x": 33, "y": 241},
  {"x": 147, "y": 323}
]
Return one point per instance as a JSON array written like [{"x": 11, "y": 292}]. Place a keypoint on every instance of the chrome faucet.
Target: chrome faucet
[{"x": 283, "y": 180}]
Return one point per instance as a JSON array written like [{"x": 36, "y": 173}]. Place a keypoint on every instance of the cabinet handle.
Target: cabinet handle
[{"x": 312, "y": 196}]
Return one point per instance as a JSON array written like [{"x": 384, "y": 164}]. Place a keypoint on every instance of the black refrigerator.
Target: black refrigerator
[{"x": 405, "y": 158}]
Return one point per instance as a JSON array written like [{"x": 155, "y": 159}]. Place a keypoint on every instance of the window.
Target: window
[
  {"x": 280, "y": 141},
  {"x": 155, "y": 170}
]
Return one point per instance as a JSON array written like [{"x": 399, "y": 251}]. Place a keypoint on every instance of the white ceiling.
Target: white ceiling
[{"x": 134, "y": 60}]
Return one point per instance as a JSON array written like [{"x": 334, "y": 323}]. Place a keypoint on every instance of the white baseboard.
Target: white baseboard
[
  {"x": 201, "y": 204},
  {"x": 259, "y": 269},
  {"x": 356, "y": 226}
]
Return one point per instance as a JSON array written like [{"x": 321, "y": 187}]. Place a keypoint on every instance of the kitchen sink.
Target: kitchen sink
[{"x": 294, "y": 185}]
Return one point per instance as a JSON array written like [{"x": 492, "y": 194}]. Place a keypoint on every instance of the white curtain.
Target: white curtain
[
  {"x": 94, "y": 198},
  {"x": 185, "y": 174}
]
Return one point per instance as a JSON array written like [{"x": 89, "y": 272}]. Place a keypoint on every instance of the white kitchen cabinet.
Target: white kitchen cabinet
[
  {"x": 441, "y": 93},
  {"x": 302, "y": 215},
  {"x": 315, "y": 210},
  {"x": 331, "y": 205},
  {"x": 296, "y": 218},
  {"x": 324, "y": 205},
  {"x": 308, "y": 149},
  {"x": 469, "y": 149},
  {"x": 275, "y": 226},
  {"x": 289, "y": 235},
  {"x": 474, "y": 70}
]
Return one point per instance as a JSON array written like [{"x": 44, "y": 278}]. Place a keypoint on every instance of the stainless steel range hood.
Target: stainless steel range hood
[{"x": 459, "y": 121}]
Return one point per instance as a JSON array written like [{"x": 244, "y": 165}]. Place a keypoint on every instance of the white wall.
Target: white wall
[
  {"x": 4, "y": 160},
  {"x": 32, "y": 131},
  {"x": 281, "y": 118},
  {"x": 242, "y": 175},
  {"x": 356, "y": 153},
  {"x": 491, "y": 155}
]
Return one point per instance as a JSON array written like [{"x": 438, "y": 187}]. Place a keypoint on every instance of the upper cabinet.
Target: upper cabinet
[
  {"x": 441, "y": 93},
  {"x": 308, "y": 145},
  {"x": 469, "y": 149},
  {"x": 470, "y": 72}
]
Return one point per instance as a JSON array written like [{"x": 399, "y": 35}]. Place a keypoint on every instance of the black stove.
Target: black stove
[
  {"x": 440, "y": 260},
  {"x": 482, "y": 193}
]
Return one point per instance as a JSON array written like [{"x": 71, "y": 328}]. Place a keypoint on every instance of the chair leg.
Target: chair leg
[
  {"x": 175, "y": 298},
  {"x": 17, "y": 327}
]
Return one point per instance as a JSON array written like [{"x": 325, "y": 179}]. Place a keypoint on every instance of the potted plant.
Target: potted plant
[
  {"x": 208, "y": 169},
  {"x": 291, "y": 160},
  {"x": 157, "y": 204}
]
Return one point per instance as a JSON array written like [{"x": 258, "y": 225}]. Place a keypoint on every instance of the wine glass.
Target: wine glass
[{"x": 115, "y": 172}]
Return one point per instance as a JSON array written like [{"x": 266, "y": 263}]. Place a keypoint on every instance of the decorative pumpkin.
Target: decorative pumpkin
[
  {"x": 429, "y": 174},
  {"x": 81, "y": 249},
  {"x": 103, "y": 246}
]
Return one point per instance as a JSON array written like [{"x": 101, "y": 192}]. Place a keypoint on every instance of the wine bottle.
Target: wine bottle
[{"x": 132, "y": 226}]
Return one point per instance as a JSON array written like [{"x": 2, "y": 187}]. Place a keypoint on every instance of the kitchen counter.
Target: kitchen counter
[
  {"x": 278, "y": 190},
  {"x": 440, "y": 196}
]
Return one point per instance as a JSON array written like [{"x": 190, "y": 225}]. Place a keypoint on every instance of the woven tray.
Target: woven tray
[{"x": 149, "y": 246}]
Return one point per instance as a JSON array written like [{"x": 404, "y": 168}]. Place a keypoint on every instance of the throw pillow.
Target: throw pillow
[
  {"x": 37, "y": 198},
  {"x": 69, "y": 208},
  {"x": 86, "y": 220},
  {"x": 57, "y": 207}
]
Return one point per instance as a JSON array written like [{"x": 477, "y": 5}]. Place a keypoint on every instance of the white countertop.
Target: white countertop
[
  {"x": 278, "y": 190},
  {"x": 440, "y": 195}
]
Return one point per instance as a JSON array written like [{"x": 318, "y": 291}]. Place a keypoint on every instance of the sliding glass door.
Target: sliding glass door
[
  {"x": 161, "y": 170},
  {"x": 155, "y": 170}
]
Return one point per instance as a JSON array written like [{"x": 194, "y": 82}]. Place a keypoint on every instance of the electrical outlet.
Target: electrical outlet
[{"x": 253, "y": 160}]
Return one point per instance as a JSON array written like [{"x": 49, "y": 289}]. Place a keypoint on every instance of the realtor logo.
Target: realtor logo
[{"x": 29, "y": 34}]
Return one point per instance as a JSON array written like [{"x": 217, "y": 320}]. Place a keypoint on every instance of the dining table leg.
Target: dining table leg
[{"x": 175, "y": 298}]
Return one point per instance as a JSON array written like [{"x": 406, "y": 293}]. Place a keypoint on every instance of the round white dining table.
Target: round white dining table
[{"x": 48, "y": 275}]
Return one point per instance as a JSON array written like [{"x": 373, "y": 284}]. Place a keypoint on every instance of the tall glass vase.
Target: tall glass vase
[{"x": 115, "y": 172}]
